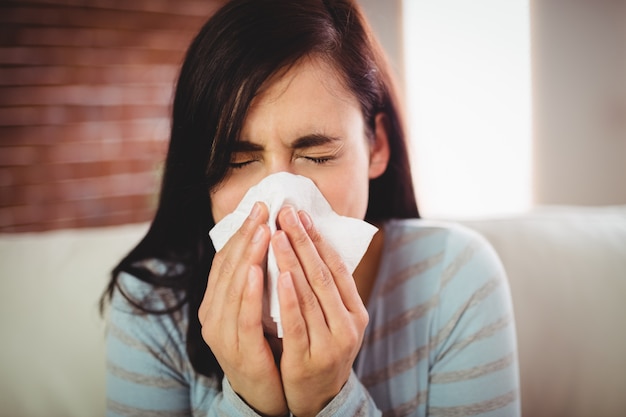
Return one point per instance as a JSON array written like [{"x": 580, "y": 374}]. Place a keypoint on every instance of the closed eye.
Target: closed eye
[
  {"x": 238, "y": 165},
  {"x": 243, "y": 157},
  {"x": 320, "y": 160}
]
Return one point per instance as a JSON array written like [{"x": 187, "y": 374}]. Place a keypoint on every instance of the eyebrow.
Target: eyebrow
[
  {"x": 313, "y": 140},
  {"x": 303, "y": 142}
]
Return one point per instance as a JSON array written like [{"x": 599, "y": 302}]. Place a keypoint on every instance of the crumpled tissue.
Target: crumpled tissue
[{"x": 349, "y": 236}]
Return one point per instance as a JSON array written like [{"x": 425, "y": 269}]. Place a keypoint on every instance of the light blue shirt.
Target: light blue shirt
[{"x": 440, "y": 341}]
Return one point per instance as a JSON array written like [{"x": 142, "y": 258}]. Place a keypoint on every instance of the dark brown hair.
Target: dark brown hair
[{"x": 235, "y": 52}]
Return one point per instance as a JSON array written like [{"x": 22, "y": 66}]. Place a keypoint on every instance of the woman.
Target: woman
[{"x": 277, "y": 85}]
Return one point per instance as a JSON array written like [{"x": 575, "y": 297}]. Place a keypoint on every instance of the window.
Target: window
[{"x": 467, "y": 75}]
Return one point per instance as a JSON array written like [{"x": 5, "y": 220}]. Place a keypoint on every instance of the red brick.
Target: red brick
[
  {"x": 42, "y": 55},
  {"x": 18, "y": 155},
  {"x": 132, "y": 184},
  {"x": 86, "y": 95},
  {"x": 7, "y": 176},
  {"x": 43, "y": 115},
  {"x": 179, "y": 7},
  {"x": 58, "y": 172},
  {"x": 19, "y": 215},
  {"x": 99, "y": 19},
  {"x": 136, "y": 72},
  {"x": 6, "y": 218},
  {"x": 24, "y": 195},
  {"x": 73, "y": 152},
  {"x": 23, "y": 175},
  {"x": 32, "y": 135},
  {"x": 173, "y": 40}
]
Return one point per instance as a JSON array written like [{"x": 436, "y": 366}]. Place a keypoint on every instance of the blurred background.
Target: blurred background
[
  {"x": 510, "y": 104},
  {"x": 85, "y": 91}
]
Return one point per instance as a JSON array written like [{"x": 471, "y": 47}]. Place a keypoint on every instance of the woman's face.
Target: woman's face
[{"x": 307, "y": 123}]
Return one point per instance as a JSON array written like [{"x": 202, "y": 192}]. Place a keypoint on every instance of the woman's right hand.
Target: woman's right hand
[{"x": 231, "y": 314}]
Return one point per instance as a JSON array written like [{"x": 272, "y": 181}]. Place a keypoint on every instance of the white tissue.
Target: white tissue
[{"x": 349, "y": 236}]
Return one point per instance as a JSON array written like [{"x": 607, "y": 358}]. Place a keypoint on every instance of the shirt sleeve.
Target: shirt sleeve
[
  {"x": 352, "y": 400},
  {"x": 146, "y": 374},
  {"x": 474, "y": 364}
]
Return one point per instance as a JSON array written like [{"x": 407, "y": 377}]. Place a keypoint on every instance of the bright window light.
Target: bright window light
[{"x": 468, "y": 86}]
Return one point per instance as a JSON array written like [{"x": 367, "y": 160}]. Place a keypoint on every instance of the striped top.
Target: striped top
[{"x": 440, "y": 341}]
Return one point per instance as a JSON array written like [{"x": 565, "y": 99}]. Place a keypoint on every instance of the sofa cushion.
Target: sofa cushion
[
  {"x": 567, "y": 271},
  {"x": 52, "y": 360}
]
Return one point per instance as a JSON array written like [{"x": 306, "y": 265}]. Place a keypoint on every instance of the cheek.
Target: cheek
[
  {"x": 347, "y": 188},
  {"x": 348, "y": 197},
  {"x": 225, "y": 200}
]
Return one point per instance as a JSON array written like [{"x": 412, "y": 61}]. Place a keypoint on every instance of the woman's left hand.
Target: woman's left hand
[{"x": 322, "y": 314}]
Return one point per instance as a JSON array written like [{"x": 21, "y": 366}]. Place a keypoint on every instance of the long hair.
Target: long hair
[{"x": 236, "y": 51}]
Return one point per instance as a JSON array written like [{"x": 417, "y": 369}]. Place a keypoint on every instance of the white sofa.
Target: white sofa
[{"x": 566, "y": 266}]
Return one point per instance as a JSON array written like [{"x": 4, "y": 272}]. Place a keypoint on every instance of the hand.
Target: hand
[
  {"x": 322, "y": 314},
  {"x": 231, "y": 312}
]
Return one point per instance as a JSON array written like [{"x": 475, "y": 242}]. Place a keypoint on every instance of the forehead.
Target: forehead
[
  {"x": 308, "y": 96},
  {"x": 310, "y": 77}
]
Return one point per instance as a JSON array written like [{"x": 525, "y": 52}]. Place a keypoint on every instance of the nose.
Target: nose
[{"x": 279, "y": 163}]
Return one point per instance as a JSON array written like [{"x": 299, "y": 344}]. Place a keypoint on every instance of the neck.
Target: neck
[{"x": 367, "y": 270}]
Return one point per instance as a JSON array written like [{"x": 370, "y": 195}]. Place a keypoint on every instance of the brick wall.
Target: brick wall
[{"x": 85, "y": 94}]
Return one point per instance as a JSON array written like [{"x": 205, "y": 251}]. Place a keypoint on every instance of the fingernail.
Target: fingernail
[
  {"x": 306, "y": 220},
  {"x": 282, "y": 241},
  {"x": 258, "y": 234},
  {"x": 290, "y": 217},
  {"x": 256, "y": 211}
]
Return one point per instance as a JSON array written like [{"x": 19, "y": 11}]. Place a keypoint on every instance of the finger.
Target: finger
[
  {"x": 318, "y": 274},
  {"x": 227, "y": 261},
  {"x": 229, "y": 299},
  {"x": 250, "y": 314},
  {"x": 295, "y": 334},
  {"x": 342, "y": 277},
  {"x": 287, "y": 261}
]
